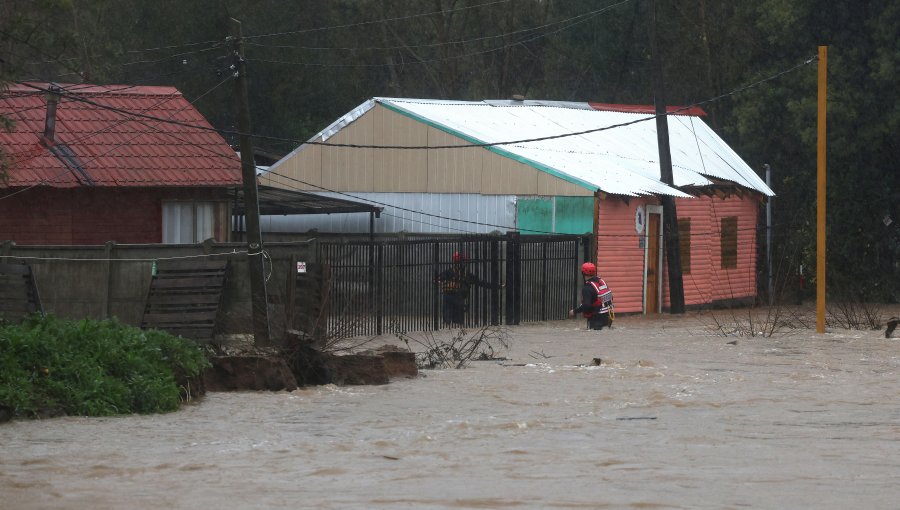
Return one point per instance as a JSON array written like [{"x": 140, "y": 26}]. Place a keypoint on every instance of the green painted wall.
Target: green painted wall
[
  {"x": 534, "y": 214},
  {"x": 574, "y": 215}
]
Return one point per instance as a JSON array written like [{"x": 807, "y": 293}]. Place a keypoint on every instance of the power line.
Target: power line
[
  {"x": 204, "y": 255},
  {"x": 438, "y": 216},
  {"x": 576, "y": 133},
  {"x": 215, "y": 46},
  {"x": 438, "y": 44},
  {"x": 372, "y": 22},
  {"x": 89, "y": 135},
  {"x": 434, "y": 147},
  {"x": 584, "y": 18},
  {"x": 75, "y": 87}
]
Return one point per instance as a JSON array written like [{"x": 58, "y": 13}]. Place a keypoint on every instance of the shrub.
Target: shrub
[{"x": 50, "y": 366}]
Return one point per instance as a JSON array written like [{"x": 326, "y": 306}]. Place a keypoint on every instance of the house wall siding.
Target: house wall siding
[
  {"x": 621, "y": 258},
  {"x": 468, "y": 170},
  {"x": 698, "y": 283},
  {"x": 708, "y": 280},
  {"x": 79, "y": 216},
  {"x": 620, "y": 255}
]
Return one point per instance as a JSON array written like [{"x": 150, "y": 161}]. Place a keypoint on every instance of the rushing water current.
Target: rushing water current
[{"x": 675, "y": 416}]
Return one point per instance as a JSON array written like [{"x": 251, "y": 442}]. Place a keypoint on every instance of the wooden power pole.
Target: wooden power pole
[
  {"x": 251, "y": 199},
  {"x": 670, "y": 216},
  {"x": 821, "y": 130}
]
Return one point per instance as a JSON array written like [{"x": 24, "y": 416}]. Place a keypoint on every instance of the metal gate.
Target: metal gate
[{"x": 374, "y": 287}]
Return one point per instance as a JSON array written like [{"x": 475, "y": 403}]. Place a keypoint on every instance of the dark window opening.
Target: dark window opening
[{"x": 729, "y": 242}]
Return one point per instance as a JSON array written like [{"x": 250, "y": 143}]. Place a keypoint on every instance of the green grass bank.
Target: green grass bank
[{"x": 53, "y": 367}]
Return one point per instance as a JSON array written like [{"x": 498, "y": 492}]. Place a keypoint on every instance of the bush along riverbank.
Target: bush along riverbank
[{"x": 53, "y": 367}]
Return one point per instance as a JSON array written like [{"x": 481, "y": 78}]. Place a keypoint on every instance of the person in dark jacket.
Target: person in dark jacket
[
  {"x": 455, "y": 285},
  {"x": 596, "y": 299}
]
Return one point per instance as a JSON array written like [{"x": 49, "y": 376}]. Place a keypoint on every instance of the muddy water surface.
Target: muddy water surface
[{"x": 674, "y": 417}]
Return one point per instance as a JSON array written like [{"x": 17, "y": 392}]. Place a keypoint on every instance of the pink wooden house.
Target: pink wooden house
[{"x": 718, "y": 250}]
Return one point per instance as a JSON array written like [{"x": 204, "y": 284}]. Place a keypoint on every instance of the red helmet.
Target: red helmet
[
  {"x": 588, "y": 269},
  {"x": 459, "y": 257}
]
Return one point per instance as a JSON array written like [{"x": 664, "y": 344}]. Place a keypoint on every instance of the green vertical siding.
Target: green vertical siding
[
  {"x": 573, "y": 215},
  {"x": 534, "y": 215}
]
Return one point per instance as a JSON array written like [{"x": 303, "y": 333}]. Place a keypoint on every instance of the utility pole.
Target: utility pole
[
  {"x": 251, "y": 199},
  {"x": 771, "y": 274},
  {"x": 670, "y": 216},
  {"x": 821, "y": 131}
]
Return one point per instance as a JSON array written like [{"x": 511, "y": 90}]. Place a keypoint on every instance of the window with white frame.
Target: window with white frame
[{"x": 188, "y": 222}]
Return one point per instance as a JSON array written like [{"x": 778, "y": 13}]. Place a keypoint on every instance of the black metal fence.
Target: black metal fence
[{"x": 373, "y": 287}]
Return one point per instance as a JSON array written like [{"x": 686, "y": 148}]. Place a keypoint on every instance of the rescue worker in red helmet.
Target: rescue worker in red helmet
[
  {"x": 456, "y": 283},
  {"x": 596, "y": 299}
]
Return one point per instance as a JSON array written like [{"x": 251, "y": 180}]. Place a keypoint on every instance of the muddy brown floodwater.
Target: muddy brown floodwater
[{"x": 674, "y": 417}]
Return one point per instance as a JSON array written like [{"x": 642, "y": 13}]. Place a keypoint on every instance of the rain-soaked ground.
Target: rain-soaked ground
[{"x": 677, "y": 415}]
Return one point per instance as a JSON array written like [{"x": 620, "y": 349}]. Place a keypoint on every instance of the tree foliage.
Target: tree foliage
[{"x": 310, "y": 61}]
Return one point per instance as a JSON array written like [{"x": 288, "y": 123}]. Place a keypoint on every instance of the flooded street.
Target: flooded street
[{"x": 674, "y": 417}]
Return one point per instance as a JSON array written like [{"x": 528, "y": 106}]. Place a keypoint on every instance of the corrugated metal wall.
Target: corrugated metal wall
[{"x": 472, "y": 214}]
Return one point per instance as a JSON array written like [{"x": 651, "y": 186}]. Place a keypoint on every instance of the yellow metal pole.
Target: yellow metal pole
[{"x": 820, "y": 195}]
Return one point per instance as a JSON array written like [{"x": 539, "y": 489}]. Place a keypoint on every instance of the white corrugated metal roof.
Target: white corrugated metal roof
[{"x": 620, "y": 160}]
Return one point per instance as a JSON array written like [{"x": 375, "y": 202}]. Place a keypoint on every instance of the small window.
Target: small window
[
  {"x": 188, "y": 222},
  {"x": 729, "y": 242},
  {"x": 684, "y": 243}
]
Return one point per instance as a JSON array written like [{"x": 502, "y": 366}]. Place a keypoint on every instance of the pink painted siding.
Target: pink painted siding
[
  {"x": 708, "y": 281},
  {"x": 698, "y": 284},
  {"x": 619, "y": 254},
  {"x": 621, "y": 259}
]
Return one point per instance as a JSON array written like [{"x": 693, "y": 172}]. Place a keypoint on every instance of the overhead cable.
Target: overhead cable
[{"x": 434, "y": 147}]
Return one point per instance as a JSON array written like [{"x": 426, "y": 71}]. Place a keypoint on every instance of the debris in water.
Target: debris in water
[{"x": 891, "y": 326}]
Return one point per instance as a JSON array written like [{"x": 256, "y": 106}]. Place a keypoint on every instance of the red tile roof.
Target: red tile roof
[{"x": 94, "y": 145}]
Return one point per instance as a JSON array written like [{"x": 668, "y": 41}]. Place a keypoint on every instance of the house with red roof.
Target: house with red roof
[{"x": 87, "y": 164}]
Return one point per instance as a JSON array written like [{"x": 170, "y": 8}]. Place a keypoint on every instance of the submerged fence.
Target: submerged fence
[
  {"x": 373, "y": 287},
  {"x": 340, "y": 288}
]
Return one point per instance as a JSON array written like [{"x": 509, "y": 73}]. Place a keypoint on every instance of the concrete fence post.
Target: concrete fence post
[{"x": 108, "y": 249}]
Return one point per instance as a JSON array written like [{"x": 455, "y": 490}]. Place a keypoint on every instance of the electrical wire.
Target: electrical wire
[
  {"x": 118, "y": 123},
  {"x": 179, "y": 257},
  {"x": 438, "y": 216},
  {"x": 435, "y": 147},
  {"x": 585, "y": 18},
  {"x": 373, "y": 22},
  {"x": 428, "y": 45},
  {"x": 215, "y": 46}
]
